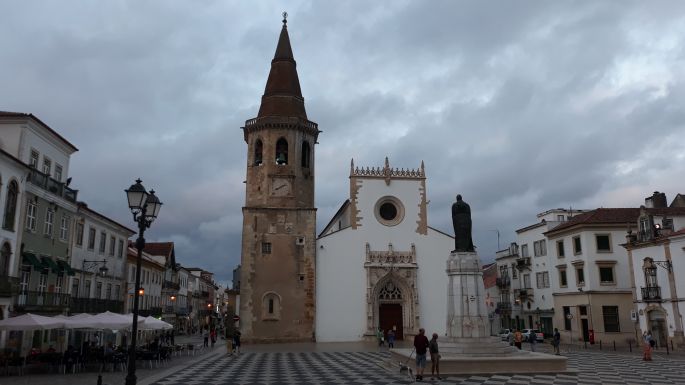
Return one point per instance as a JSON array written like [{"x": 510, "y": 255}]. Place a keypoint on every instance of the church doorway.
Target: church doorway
[
  {"x": 657, "y": 325},
  {"x": 390, "y": 318}
]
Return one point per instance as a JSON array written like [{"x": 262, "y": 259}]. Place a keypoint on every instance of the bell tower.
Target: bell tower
[{"x": 279, "y": 217}]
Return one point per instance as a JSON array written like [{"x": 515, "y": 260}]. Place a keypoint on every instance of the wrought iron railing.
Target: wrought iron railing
[
  {"x": 651, "y": 293},
  {"x": 45, "y": 182},
  {"x": 39, "y": 300}
]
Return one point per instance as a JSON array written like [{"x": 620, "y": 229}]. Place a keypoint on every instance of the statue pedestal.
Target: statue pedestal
[{"x": 467, "y": 315}]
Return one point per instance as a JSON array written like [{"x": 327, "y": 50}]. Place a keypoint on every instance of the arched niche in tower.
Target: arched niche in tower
[
  {"x": 258, "y": 151},
  {"x": 282, "y": 151},
  {"x": 306, "y": 154}
]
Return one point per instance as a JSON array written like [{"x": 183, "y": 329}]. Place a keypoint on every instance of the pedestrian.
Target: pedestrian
[
  {"x": 206, "y": 338},
  {"x": 236, "y": 341},
  {"x": 533, "y": 339},
  {"x": 212, "y": 336},
  {"x": 556, "y": 341},
  {"x": 648, "y": 343},
  {"x": 173, "y": 332},
  {"x": 421, "y": 345},
  {"x": 518, "y": 338},
  {"x": 379, "y": 336},
  {"x": 435, "y": 356},
  {"x": 391, "y": 338}
]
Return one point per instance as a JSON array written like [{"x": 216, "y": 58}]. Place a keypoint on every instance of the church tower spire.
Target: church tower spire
[{"x": 279, "y": 217}]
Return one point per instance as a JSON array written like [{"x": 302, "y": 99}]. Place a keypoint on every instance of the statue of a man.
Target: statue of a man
[{"x": 461, "y": 220}]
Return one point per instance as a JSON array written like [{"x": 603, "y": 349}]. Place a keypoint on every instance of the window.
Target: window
[
  {"x": 33, "y": 161},
  {"x": 577, "y": 247},
  {"x": 306, "y": 154},
  {"x": 133, "y": 274},
  {"x": 526, "y": 281},
  {"x": 567, "y": 318},
  {"x": 610, "y": 315},
  {"x": 271, "y": 306},
  {"x": 650, "y": 273},
  {"x": 112, "y": 245},
  {"x": 58, "y": 172},
  {"x": 98, "y": 290},
  {"x": 74, "y": 287},
  {"x": 79, "y": 234},
  {"x": 560, "y": 249},
  {"x": 64, "y": 228},
  {"x": 103, "y": 241},
  {"x": 108, "y": 293},
  {"x": 542, "y": 279},
  {"x": 91, "y": 238},
  {"x": 540, "y": 248},
  {"x": 580, "y": 276},
  {"x": 389, "y": 211},
  {"x": 47, "y": 165},
  {"x": 121, "y": 248},
  {"x": 49, "y": 217},
  {"x": 86, "y": 293},
  {"x": 603, "y": 243},
  {"x": 117, "y": 292},
  {"x": 514, "y": 272},
  {"x": 524, "y": 250},
  {"x": 560, "y": 217},
  {"x": 282, "y": 151},
  {"x": 258, "y": 150},
  {"x": 606, "y": 275},
  {"x": 31, "y": 216},
  {"x": 10, "y": 206},
  {"x": 563, "y": 282},
  {"x": 266, "y": 247}
]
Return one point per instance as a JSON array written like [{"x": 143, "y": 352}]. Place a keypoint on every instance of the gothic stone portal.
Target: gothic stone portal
[{"x": 392, "y": 297}]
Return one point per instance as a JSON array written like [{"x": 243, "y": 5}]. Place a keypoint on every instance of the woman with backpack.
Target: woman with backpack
[{"x": 648, "y": 344}]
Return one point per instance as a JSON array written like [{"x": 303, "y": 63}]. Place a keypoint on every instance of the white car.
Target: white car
[
  {"x": 539, "y": 336},
  {"x": 504, "y": 334}
]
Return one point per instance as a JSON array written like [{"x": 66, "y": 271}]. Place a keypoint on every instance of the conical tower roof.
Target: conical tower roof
[{"x": 282, "y": 94}]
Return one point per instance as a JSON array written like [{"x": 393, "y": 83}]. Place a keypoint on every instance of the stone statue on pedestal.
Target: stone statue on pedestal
[{"x": 461, "y": 221}]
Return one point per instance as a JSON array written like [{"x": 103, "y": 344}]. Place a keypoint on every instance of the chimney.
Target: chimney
[{"x": 657, "y": 200}]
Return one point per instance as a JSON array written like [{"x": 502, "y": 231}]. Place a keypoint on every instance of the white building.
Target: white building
[
  {"x": 99, "y": 249},
  {"x": 151, "y": 277},
  {"x": 379, "y": 264},
  {"x": 657, "y": 254},
  {"x": 533, "y": 292}
]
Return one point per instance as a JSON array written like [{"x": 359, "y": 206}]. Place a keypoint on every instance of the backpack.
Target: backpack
[{"x": 652, "y": 343}]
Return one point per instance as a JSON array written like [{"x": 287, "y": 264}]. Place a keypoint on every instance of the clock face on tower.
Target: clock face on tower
[{"x": 281, "y": 187}]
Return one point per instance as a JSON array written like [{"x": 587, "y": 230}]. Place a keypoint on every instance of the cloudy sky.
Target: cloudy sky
[{"x": 519, "y": 106}]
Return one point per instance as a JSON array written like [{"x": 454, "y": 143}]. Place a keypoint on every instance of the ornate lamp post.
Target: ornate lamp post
[{"x": 145, "y": 208}]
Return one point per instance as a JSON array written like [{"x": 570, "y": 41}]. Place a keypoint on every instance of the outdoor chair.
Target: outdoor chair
[
  {"x": 191, "y": 349},
  {"x": 16, "y": 362}
]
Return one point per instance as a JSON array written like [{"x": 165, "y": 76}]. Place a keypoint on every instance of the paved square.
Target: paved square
[{"x": 365, "y": 368}]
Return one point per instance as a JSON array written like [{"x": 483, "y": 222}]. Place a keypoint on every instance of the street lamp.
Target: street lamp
[{"x": 145, "y": 208}]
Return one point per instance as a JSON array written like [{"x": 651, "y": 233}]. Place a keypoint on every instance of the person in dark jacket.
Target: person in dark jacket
[
  {"x": 435, "y": 356},
  {"x": 421, "y": 345}
]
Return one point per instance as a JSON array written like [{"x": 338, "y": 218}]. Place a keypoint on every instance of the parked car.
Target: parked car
[
  {"x": 539, "y": 337},
  {"x": 504, "y": 334}
]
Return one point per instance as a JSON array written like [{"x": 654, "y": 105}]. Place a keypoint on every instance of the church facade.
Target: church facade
[
  {"x": 277, "y": 299},
  {"x": 379, "y": 264}
]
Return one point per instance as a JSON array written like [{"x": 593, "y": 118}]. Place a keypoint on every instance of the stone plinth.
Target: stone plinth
[{"x": 466, "y": 312}]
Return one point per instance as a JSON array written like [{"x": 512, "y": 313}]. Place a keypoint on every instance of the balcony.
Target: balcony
[
  {"x": 48, "y": 184},
  {"x": 94, "y": 305},
  {"x": 43, "y": 302},
  {"x": 171, "y": 285},
  {"x": 503, "y": 282},
  {"x": 9, "y": 286},
  {"x": 503, "y": 308},
  {"x": 651, "y": 294},
  {"x": 523, "y": 263},
  {"x": 182, "y": 311},
  {"x": 205, "y": 294},
  {"x": 523, "y": 294},
  {"x": 169, "y": 310}
]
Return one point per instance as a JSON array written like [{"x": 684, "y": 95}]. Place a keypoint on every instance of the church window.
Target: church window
[
  {"x": 390, "y": 292},
  {"x": 282, "y": 151},
  {"x": 258, "y": 148},
  {"x": 389, "y": 211},
  {"x": 10, "y": 206},
  {"x": 266, "y": 247},
  {"x": 271, "y": 306},
  {"x": 306, "y": 154}
]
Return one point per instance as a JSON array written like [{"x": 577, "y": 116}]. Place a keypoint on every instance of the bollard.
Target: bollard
[
  {"x": 600, "y": 344},
  {"x": 99, "y": 379},
  {"x": 672, "y": 345},
  {"x": 667, "y": 352},
  {"x": 614, "y": 345},
  {"x": 630, "y": 346},
  {"x": 585, "y": 343}
]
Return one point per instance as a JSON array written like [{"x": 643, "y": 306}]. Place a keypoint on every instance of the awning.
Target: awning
[
  {"x": 66, "y": 268},
  {"x": 50, "y": 264},
  {"x": 31, "y": 259}
]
